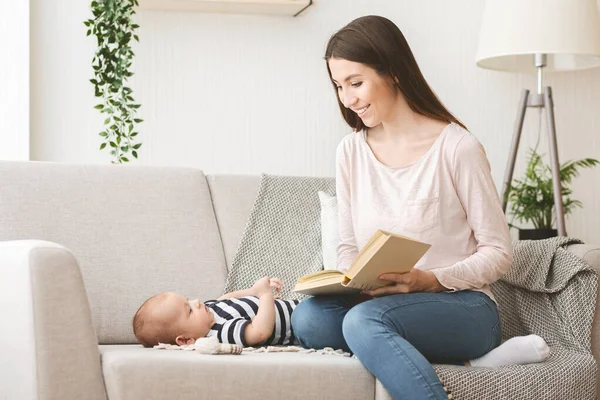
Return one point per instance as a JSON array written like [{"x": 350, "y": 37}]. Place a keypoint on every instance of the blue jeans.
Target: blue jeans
[{"x": 397, "y": 337}]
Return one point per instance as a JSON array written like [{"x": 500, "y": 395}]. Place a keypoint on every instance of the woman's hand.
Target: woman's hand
[{"x": 414, "y": 281}]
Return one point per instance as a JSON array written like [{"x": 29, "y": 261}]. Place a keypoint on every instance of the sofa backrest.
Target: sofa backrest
[
  {"x": 135, "y": 231},
  {"x": 233, "y": 199}
]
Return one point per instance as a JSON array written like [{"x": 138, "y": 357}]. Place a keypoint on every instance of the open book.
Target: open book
[{"x": 384, "y": 252}]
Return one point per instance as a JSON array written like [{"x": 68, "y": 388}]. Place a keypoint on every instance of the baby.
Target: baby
[
  {"x": 256, "y": 317},
  {"x": 247, "y": 317}
]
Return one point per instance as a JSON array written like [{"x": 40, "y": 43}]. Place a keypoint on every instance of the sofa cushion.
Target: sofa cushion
[
  {"x": 132, "y": 372},
  {"x": 135, "y": 231}
]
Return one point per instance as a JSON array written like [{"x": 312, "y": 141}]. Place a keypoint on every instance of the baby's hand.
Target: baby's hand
[
  {"x": 266, "y": 285},
  {"x": 276, "y": 284}
]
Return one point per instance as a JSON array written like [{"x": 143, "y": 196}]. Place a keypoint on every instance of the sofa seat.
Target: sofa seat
[{"x": 182, "y": 375}]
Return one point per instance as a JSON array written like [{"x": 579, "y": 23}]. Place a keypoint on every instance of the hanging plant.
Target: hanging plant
[{"x": 114, "y": 29}]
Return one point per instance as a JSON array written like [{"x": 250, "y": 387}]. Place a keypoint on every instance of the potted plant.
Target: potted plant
[{"x": 532, "y": 198}]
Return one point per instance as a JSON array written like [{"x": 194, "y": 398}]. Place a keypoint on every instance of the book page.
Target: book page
[
  {"x": 326, "y": 288},
  {"x": 318, "y": 275}
]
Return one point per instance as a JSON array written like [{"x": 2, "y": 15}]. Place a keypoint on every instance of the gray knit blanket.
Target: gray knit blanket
[
  {"x": 282, "y": 236},
  {"x": 551, "y": 292},
  {"x": 548, "y": 291}
]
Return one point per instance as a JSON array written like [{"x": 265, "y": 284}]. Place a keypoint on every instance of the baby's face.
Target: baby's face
[{"x": 190, "y": 318}]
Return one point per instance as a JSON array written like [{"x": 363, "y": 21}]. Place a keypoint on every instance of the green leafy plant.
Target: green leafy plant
[
  {"x": 114, "y": 30},
  {"x": 532, "y": 198}
]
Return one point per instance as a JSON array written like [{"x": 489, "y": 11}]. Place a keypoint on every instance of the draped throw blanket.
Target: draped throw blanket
[
  {"x": 282, "y": 237},
  {"x": 551, "y": 292}
]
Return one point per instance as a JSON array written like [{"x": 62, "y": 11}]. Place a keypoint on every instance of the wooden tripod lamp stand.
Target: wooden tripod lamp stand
[{"x": 555, "y": 35}]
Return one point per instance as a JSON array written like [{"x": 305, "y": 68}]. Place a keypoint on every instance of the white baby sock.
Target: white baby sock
[{"x": 518, "y": 350}]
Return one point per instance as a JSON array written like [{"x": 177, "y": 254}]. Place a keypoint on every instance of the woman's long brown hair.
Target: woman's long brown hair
[{"x": 377, "y": 42}]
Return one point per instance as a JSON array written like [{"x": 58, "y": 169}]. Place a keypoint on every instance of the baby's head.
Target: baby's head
[{"x": 171, "y": 318}]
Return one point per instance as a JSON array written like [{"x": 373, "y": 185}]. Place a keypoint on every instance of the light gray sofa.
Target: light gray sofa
[{"x": 82, "y": 246}]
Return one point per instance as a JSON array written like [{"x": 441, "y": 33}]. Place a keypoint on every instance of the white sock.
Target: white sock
[{"x": 518, "y": 350}]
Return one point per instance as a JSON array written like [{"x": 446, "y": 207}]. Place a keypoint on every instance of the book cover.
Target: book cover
[{"x": 384, "y": 252}]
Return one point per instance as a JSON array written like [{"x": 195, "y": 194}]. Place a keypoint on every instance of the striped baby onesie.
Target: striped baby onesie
[{"x": 234, "y": 314}]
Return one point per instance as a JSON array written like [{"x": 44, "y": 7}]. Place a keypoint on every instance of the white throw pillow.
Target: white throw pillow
[{"x": 329, "y": 229}]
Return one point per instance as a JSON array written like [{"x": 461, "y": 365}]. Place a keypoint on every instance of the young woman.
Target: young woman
[{"x": 412, "y": 168}]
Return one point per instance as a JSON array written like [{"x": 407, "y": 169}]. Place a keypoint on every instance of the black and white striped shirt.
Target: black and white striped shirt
[{"x": 233, "y": 315}]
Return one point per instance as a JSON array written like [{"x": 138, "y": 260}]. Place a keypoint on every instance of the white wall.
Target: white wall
[
  {"x": 14, "y": 80},
  {"x": 250, "y": 94}
]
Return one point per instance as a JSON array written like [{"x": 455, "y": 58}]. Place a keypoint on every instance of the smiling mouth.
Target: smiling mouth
[{"x": 361, "y": 111}]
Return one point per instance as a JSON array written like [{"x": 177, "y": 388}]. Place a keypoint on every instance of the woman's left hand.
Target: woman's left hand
[{"x": 415, "y": 280}]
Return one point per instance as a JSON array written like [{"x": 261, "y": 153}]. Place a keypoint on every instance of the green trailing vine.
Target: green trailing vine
[{"x": 114, "y": 30}]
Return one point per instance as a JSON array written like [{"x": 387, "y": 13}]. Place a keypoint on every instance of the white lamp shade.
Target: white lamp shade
[{"x": 513, "y": 31}]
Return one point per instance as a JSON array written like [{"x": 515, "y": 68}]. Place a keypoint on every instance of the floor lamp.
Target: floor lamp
[{"x": 550, "y": 35}]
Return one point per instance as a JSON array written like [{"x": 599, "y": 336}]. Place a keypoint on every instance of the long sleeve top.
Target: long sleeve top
[{"x": 446, "y": 198}]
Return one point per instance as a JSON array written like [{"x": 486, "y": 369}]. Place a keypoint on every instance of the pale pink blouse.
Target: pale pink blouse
[{"x": 447, "y": 198}]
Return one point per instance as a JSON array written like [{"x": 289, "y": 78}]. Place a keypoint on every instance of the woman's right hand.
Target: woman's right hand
[{"x": 415, "y": 280}]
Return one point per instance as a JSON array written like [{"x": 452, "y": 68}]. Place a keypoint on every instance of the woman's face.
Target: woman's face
[{"x": 361, "y": 89}]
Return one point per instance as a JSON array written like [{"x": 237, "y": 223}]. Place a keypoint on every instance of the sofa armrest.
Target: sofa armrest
[
  {"x": 48, "y": 345},
  {"x": 591, "y": 255}
]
